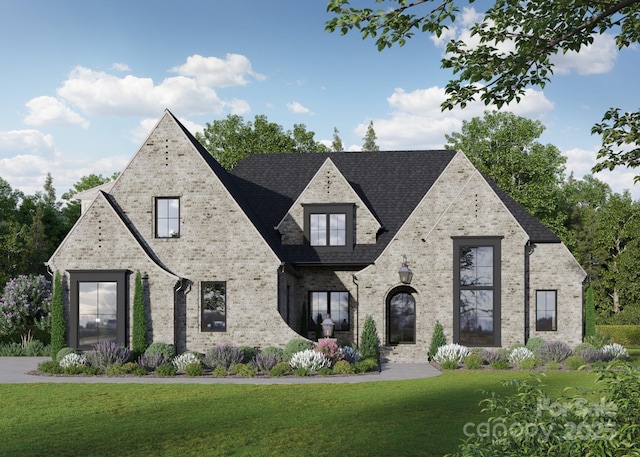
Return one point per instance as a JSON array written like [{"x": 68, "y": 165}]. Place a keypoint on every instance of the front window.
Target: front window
[
  {"x": 335, "y": 304},
  {"x": 167, "y": 217},
  {"x": 477, "y": 291},
  {"x": 214, "y": 306},
  {"x": 401, "y": 315},
  {"x": 98, "y": 308},
  {"x": 546, "y": 310}
]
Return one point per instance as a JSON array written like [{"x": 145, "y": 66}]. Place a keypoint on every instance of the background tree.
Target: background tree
[
  {"x": 504, "y": 147},
  {"x": 336, "y": 144},
  {"x": 370, "y": 139},
  {"x": 71, "y": 211},
  {"x": 232, "y": 139},
  {"x": 534, "y": 33}
]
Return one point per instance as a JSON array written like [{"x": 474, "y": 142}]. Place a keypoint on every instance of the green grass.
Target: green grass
[{"x": 405, "y": 418}]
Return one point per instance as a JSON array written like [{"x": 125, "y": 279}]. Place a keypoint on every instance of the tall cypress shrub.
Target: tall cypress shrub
[
  {"x": 139, "y": 331},
  {"x": 437, "y": 339},
  {"x": 58, "y": 321},
  {"x": 369, "y": 341},
  {"x": 589, "y": 313}
]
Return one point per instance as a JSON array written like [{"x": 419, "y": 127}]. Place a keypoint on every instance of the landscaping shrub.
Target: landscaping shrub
[
  {"x": 553, "y": 366},
  {"x": 166, "y": 370},
  {"x": 62, "y": 352},
  {"x": 184, "y": 359},
  {"x": 219, "y": 372},
  {"x": 107, "y": 353},
  {"x": 367, "y": 365},
  {"x": 194, "y": 369},
  {"x": 437, "y": 339},
  {"x": 473, "y": 361},
  {"x": 369, "y": 341},
  {"x": 243, "y": 370},
  {"x": 330, "y": 349},
  {"x": 451, "y": 353},
  {"x": 343, "y": 367},
  {"x": 449, "y": 365},
  {"x": 325, "y": 371},
  {"x": 573, "y": 362},
  {"x": 350, "y": 354},
  {"x": 535, "y": 344},
  {"x": 36, "y": 348},
  {"x": 279, "y": 353},
  {"x": 264, "y": 361},
  {"x": 293, "y": 346},
  {"x": 627, "y": 335},
  {"x": 139, "y": 325},
  {"x": 280, "y": 369},
  {"x": 58, "y": 321},
  {"x": 529, "y": 364},
  {"x": 302, "y": 371},
  {"x": 248, "y": 353},
  {"x": 599, "y": 339},
  {"x": 500, "y": 364},
  {"x": 72, "y": 360},
  {"x": 588, "y": 353},
  {"x": 223, "y": 355},
  {"x": 309, "y": 360},
  {"x": 614, "y": 351},
  {"x": 491, "y": 355},
  {"x": 168, "y": 351},
  {"x": 50, "y": 367},
  {"x": 150, "y": 361},
  {"x": 518, "y": 354},
  {"x": 555, "y": 351},
  {"x": 12, "y": 350}
]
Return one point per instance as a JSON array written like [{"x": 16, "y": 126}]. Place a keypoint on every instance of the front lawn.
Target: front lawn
[{"x": 406, "y": 418}]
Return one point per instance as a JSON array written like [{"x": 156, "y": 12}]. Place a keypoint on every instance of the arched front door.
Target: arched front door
[{"x": 401, "y": 316}]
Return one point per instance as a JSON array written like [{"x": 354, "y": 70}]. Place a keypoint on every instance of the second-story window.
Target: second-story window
[
  {"x": 329, "y": 225},
  {"x": 167, "y": 217}
]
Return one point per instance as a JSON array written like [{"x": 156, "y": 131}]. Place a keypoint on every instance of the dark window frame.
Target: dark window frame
[
  {"x": 213, "y": 326},
  {"x": 496, "y": 287},
  {"x": 312, "y": 315},
  {"x": 122, "y": 301},
  {"x": 401, "y": 290},
  {"x": 348, "y": 209},
  {"x": 554, "y": 322},
  {"x": 157, "y": 217}
]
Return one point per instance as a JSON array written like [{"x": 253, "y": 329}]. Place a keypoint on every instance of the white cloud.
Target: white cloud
[
  {"x": 47, "y": 110},
  {"x": 99, "y": 93},
  {"x": 417, "y": 122},
  {"x": 216, "y": 72},
  {"x": 297, "y": 108},
  {"x": 33, "y": 141},
  {"x": 120, "y": 67},
  {"x": 599, "y": 57},
  {"x": 237, "y": 106}
]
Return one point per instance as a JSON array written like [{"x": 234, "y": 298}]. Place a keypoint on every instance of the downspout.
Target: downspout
[
  {"x": 355, "y": 281},
  {"x": 528, "y": 250}
]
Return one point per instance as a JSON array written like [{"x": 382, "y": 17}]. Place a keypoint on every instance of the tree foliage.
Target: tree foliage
[
  {"x": 516, "y": 46},
  {"x": 232, "y": 139},
  {"x": 369, "y": 340},
  {"x": 336, "y": 144},
  {"x": 504, "y": 148},
  {"x": 58, "y": 321},
  {"x": 139, "y": 326},
  {"x": 370, "y": 139},
  {"x": 25, "y": 307}
]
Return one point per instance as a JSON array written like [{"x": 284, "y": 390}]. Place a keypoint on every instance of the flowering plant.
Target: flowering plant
[
  {"x": 25, "y": 305},
  {"x": 72, "y": 360},
  {"x": 451, "y": 353},
  {"x": 184, "y": 359},
  {"x": 520, "y": 354},
  {"x": 330, "y": 349},
  {"x": 309, "y": 360},
  {"x": 614, "y": 351}
]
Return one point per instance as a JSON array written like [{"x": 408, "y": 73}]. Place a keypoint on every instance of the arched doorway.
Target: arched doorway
[{"x": 401, "y": 316}]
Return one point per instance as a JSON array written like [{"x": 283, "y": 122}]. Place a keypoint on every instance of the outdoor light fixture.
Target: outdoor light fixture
[
  {"x": 327, "y": 327},
  {"x": 405, "y": 273}
]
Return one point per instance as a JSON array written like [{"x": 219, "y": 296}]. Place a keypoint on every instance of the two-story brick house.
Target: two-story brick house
[{"x": 242, "y": 256}]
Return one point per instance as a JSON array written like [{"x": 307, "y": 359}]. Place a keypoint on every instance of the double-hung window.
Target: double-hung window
[{"x": 167, "y": 217}]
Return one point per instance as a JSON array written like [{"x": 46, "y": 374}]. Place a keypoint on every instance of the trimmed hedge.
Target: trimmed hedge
[{"x": 626, "y": 335}]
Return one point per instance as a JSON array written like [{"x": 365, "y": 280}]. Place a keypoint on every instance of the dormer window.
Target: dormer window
[{"x": 329, "y": 226}]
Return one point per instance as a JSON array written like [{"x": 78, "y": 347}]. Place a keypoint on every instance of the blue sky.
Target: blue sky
[{"x": 83, "y": 82}]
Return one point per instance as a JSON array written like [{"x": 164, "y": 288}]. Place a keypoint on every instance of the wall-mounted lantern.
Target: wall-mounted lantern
[{"x": 406, "y": 275}]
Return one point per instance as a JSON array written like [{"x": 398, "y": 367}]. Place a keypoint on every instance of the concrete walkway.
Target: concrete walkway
[{"x": 20, "y": 370}]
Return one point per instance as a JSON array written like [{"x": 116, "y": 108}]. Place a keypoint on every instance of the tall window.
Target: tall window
[
  {"x": 330, "y": 226},
  {"x": 546, "y": 310},
  {"x": 214, "y": 306},
  {"x": 336, "y": 304},
  {"x": 98, "y": 308},
  {"x": 477, "y": 291},
  {"x": 167, "y": 217},
  {"x": 401, "y": 317}
]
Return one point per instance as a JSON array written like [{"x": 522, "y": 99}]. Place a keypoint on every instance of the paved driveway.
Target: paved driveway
[{"x": 18, "y": 369}]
